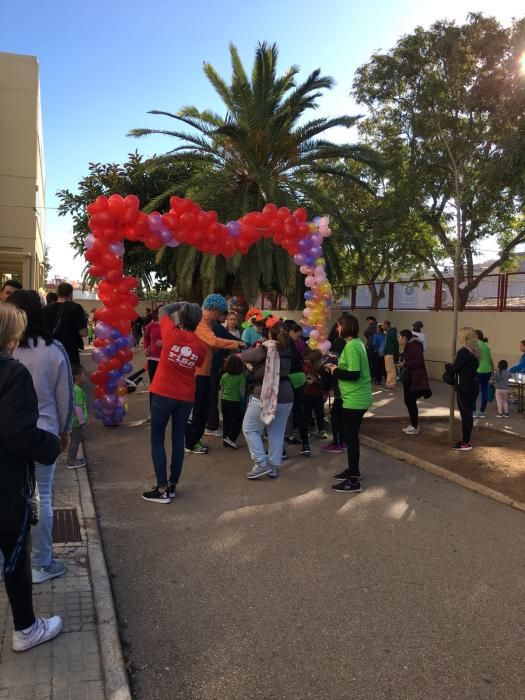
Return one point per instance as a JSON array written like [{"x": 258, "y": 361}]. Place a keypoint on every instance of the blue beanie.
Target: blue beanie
[{"x": 215, "y": 302}]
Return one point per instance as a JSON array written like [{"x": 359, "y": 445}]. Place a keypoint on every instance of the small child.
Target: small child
[
  {"x": 79, "y": 420},
  {"x": 501, "y": 379},
  {"x": 232, "y": 396},
  {"x": 314, "y": 392}
]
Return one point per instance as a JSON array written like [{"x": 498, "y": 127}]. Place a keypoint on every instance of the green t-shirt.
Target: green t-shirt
[
  {"x": 79, "y": 399},
  {"x": 484, "y": 358},
  {"x": 232, "y": 386},
  {"x": 356, "y": 394}
]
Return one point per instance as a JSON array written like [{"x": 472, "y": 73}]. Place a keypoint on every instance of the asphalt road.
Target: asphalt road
[{"x": 286, "y": 590}]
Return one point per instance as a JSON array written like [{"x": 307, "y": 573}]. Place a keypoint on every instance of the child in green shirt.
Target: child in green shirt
[
  {"x": 79, "y": 420},
  {"x": 232, "y": 387}
]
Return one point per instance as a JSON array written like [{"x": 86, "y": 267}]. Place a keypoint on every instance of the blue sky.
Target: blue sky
[{"x": 103, "y": 65}]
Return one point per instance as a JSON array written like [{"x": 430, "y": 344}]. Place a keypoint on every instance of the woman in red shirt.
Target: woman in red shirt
[{"x": 173, "y": 392}]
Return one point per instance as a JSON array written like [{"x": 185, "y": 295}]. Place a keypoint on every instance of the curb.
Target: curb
[
  {"x": 442, "y": 472},
  {"x": 113, "y": 667}
]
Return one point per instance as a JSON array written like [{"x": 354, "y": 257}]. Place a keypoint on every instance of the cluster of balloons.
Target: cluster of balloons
[
  {"x": 116, "y": 219},
  {"x": 318, "y": 297}
]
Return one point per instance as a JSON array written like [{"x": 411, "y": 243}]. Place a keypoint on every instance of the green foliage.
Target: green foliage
[{"x": 446, "y": 109}]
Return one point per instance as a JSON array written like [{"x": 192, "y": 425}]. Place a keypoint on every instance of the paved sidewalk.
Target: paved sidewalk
[{"x": 71, "y": 666}]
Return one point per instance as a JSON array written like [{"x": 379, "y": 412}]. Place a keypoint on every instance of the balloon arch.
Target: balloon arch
[{"x": 115, "y": 219}]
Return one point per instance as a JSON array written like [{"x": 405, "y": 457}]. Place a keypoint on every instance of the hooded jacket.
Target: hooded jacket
[{"x": 21, "y": 442}]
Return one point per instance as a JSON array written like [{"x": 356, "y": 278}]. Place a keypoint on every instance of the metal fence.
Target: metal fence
[{"x": 502, "y": 292}]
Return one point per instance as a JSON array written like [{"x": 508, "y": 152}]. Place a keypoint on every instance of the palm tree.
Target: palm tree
[{"x": 261, "y": 151}]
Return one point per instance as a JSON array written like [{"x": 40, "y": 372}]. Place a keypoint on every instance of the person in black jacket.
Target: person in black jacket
[
  {"x": 464, "y": 369},
  {"x": 21, "y": 443}
]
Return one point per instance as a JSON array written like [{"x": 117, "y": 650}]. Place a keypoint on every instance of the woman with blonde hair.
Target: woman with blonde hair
[
  {"x": 464, "y": 369},
  {"x": 21, "y": 444}
]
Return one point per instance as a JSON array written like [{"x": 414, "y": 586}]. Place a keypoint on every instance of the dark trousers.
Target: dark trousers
[
  {"x": 336, "y": 417},
  {"x": 484, "y": 379},
  {"x": 411, "y": 404},
  {"x": 315, "y": 405},
  {"x": 215, "y": 385},
  {"x": 298, "y": 414},
  {"x": 352, "y": 419},
  {"x": 18, "y": 584},
  {"x": 162, "y": 409},
  {"x": 466, "y": 404},
  {"x": 231, "y": 419},
  {"x": 152, "y": 368},
  {"x": 378, "y": 368},
  {"x": 201, "y": 411},
  {"x": 76, "y": 439}
]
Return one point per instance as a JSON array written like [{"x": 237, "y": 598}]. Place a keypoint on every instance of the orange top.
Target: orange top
[{"x": 205, "y": 333}]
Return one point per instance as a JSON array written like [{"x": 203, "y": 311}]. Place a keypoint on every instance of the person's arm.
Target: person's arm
[
  {"x": 413, "y": 356},
  {"x": 18, "y": 417},
  {"x": 460, "y": 361},
  {"x": 204, "y": 333},
  {"x": 80, "y": 320},
  {"x": 254, "y": 355},
  {"x": 346, "y": 375},
  {"x": 169, "y": 309},
  {"x": 63, "y": 390},
  {"x": 519, "y": 368},
  {"x": 349, "y": 368}
]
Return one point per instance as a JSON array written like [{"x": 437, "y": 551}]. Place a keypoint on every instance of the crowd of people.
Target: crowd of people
[{"x": 259, "y": 376}]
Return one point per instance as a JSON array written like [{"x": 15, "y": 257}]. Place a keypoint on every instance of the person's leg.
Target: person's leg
[
  {"x": 411, "y": 404},
  {"x": 18, "y": 582},
  {"x": 466, "y": 403},
  {"x": 484, "y": 379},
  {"x": 152, "y": 368},
  {"x": 180, "y": 412},
  {"x": 352, "y": 419},
  {"x": 499, "y": 401},
  {"x": 226, "y": 418},
  {"x": 319, "y": 413},
  {"x": 336, "y": 417},
  {"x": 252, "y": 428},
  {"x": 43, "y": 532},
  {"x": 505, "y": 398},
  {"x": 308, "y": 408},
  {"x": 236, "y": 420},
  {"x": 201, "y": 408},
  {"x": 390, "y": 367},
  {"x": 215, "y": 384},
  {"x": 276, "y": 433},
  {"x": 161, "y": 408},
  {"x": 299, "y": 415},
  {"x": 74, "y": 442}
]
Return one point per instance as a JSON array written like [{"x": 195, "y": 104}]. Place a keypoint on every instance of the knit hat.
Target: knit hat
[{"x": 215, "y": 302}]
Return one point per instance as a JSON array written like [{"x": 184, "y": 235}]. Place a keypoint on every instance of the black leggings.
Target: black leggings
[
  {"x": 231, "y": 419},
  {"x": 19, "y": 584},
  {"x": 336, "y": 417},
  {"x": 352, "y": 419},
  {"x": 466, "y": 405},
  {"x": 298, "y": 414},
  {"x": 201, "y": 411},
  {"x": 314, "y": 404},
  {"x": 411, "y": 404}
]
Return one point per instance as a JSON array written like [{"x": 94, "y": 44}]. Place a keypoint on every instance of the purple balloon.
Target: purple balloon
[
  {"x": 234, "y": 228},
  {"x": 154, "y": 223},
  {"x": 309, "y": 260},
  {"x": 118, "y": 414},
  {"x": 99, "y": 355},
  {"x": 172, "y": 244},
  {"x": 308, "y": 295},
  {"x": 103, "y": 331},
  {"x": 165, "y": 235},
  {"x": 126, "y": 368},
  {"x": 109, "y": 402},
  {"x": 97, "y": 405},
  {"x": 89, "y": 241},
  {"x": 117, "y": 248},
  {"x": 114, "y": 375},
  {"x": 299, "y": 259},
  {"x": 304, "y": 244},
  {"x": 111, "y": 386},
  {"x": 130, "y": 340}
]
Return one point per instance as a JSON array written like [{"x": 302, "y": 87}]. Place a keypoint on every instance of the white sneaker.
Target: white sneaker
[
  {"x": 213, "y": 433},
  {"x": 42, "y": 630},
  {"x": 411, "y": 430}
]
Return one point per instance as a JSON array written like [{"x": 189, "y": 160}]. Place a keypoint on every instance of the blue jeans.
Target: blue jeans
[
  {"x": 162, "y": 409},
  {"x": 253, "y": 429},
  {"x": 484, "y": 379},
  {"x": 42, "y": 534}
]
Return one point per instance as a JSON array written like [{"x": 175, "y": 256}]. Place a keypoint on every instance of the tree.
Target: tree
[
  {"x": 447, "y": 105},
  {"x": 153, "y": 186},
  {"x": 261, "y": 150}
]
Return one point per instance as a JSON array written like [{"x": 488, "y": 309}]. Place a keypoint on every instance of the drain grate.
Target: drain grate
[{"x": 66, "y": 527}]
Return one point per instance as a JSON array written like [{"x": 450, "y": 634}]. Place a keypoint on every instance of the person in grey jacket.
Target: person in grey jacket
[{"x": 48, "y": 364}]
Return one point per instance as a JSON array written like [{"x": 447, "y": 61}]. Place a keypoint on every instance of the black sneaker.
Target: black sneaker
[
  {"x": 172, "y": 490},
  {"x": 156, "y": 496},
  {"x": 292, "y": 440},
  {"x": 462, "y": 446},
  {"x": 342, "y": 476},
  {"x": 306, "y": 451},
  {"x": 348, "y": 486}
]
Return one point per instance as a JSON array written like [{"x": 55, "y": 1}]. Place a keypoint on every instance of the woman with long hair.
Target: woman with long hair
[
  {"x": 21, "y": 444},
  {"x": 464, "y": 369},
  {"x": 48, "y": 365},
  {"x": 353, "y": 375},
  {"x": 413, "y": 376},
  {"x": 271, "y": 401},
  {"x": 485, "y": 370}
]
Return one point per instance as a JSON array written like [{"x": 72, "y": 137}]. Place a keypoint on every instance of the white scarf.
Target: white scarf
[{"x": 270, "y": 385}]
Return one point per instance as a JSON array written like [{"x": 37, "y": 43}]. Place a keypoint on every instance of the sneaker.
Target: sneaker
[
  {"x": 229, "y": 443},
  {"x": 157, "y": 496},
  {"x": 499, "y": 415},
  {"x": 332, "y": 449},
  {"x": 274, "y": 474},
  {"x": 42, "y": 630},
  {"x": 505, "y": 415},
  {"x": 342, "y": 476},
  {"x": 172, "y": 490},
  {"x": 258, "y": 471},
  {"x": 481, "y": 414},
  {"x": 76, "y": 464},
  {"x": 292, "y": 440},
  {"x": 306, "y": 451},
  {"x": 213, "y": 433},
  {"x": 411, "y": 430},
  {"x": 348, "y": 486},
  {"x": 41, "y": 574},
  {"x": 199, "y": 449},
  {"x": 285, "y": 455},
  {"x": 462, "y": 446}
]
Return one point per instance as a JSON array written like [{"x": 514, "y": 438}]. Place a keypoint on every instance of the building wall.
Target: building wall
[{"x": 21, "y": 171}]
